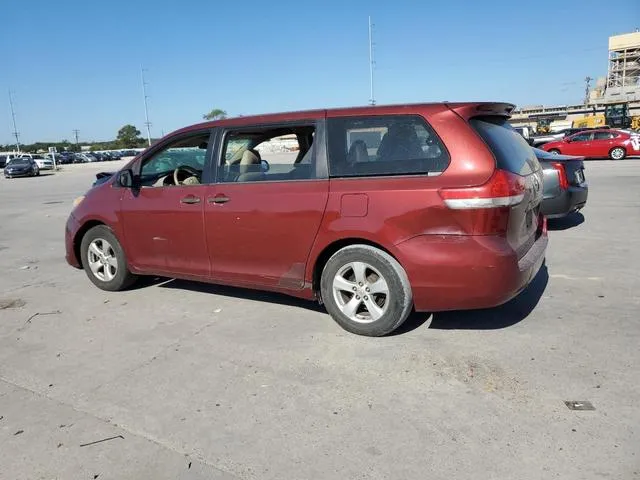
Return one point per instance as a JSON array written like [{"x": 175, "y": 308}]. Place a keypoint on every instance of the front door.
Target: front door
[
  {"x": 265, "y": 210},
  {"x": 602, "y": 143},
  {"x": 578, "y": 144},
  {"x": 162, "y": 216}
]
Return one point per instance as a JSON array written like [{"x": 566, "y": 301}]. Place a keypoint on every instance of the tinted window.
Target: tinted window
[
  {"x": 384, "y": 145},
  {"x": 268, "y": 154},
  {"x": 20, "y": 161},
  {"x": 603, "y": 135},
  {"x": 511, "y": 151},
  {"x": 581, "y": 137}
]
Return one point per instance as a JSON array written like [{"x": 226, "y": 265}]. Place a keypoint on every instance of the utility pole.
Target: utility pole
[
  {"x": 372, "y": 99},
  {"x": 146, "y": 108},
  {"x": 13, "y": 117},
  {"x": 76, "y": 132},
  {"x": 587, "y": 88}
]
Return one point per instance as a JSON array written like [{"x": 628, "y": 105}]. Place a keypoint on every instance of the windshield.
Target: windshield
[{"x": 19, "y": 161}]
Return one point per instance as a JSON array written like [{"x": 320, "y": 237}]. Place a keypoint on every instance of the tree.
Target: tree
[
  {"x": 129, "y": 137},
  {"x": 215, "y": 114}
]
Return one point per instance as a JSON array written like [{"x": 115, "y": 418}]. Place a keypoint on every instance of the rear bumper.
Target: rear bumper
[
  {"x": 566, "y": 202},
  {"x": 452, "y": 272}
]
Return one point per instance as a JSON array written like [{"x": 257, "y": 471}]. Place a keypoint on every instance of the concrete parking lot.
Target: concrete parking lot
[{"x": 178, "y": 380}]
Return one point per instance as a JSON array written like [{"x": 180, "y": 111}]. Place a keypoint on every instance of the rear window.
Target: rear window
[
  {"x": 512, "y": 152},
  {"x": 384, "y": 145}
]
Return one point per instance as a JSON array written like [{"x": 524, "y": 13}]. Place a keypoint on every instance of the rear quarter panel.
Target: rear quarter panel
[{"x": 392, "y": 209}]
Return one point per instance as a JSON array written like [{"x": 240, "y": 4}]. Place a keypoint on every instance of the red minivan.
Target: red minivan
[{"x": 373, "y": 211}]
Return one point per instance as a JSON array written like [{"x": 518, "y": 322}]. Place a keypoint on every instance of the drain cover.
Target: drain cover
[
  {"x": 579, "y": 405},
  {"x": 55, "y": 202}
]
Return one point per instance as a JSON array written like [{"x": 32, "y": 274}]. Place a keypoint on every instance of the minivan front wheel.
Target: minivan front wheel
[
  {"x": 104, "y": 260},
  {"x": 366, "y": 290}
]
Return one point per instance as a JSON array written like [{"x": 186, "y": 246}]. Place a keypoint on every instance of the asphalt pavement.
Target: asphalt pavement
[{"x": 179, "y": 380}]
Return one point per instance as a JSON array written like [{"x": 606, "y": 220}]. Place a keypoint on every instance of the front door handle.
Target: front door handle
[
  {"x": 219, "y": 199},
  {"x": 190, "y": 200}
]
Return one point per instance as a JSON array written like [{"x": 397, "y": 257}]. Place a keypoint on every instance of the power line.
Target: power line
[
  {"x": 146, "y": 108},
  {"x": 372, "y": 98},
  {"x": 13, "y": 117}
]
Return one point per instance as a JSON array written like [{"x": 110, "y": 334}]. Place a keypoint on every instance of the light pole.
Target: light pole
[
  {"x": 13, "y": 117},
  {"x": 146, "y": 108}
]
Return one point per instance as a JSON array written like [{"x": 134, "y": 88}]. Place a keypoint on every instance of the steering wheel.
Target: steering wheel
[{"x": 184, "y": 168}]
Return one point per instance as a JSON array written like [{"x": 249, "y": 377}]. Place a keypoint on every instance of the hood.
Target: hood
[{"x": 18, "y": 167}]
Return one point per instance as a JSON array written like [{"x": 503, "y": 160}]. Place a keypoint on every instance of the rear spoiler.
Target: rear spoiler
[{"x": 467, "y": 111}]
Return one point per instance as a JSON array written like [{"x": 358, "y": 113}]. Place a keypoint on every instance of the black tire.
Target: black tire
[
  {"x": 617, "y": 153},
  {"x": 395, "y": 306},
  {"x": 123, "y": 278},
  {"x": 554, "y": 151}
]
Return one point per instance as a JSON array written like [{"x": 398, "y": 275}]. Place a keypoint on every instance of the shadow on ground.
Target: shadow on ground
[
  {"x": 240, "y": 293},
  {"x": 572, "y": 220},
  {"x": 503, "y": 316}
]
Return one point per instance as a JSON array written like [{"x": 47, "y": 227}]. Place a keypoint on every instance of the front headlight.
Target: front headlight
[{"x": 78, "y": 201}]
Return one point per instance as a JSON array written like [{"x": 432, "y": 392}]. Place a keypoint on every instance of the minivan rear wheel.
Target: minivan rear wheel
[
  {"x": 366, "y": 290},
  {"x": 104, "y": 260}
]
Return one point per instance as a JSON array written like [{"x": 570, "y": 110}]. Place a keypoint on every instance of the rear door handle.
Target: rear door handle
[
  {"x": 219, "y": 199},
  {"x": 190, "y": 200}
]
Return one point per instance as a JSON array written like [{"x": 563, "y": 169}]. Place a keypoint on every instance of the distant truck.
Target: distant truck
[{"x": 526, "y": 132}]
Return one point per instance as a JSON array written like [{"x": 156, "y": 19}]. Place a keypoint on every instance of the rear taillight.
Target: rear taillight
[
  {"x": 503, "y": 189},
  {"x": 562, "y": 175}
]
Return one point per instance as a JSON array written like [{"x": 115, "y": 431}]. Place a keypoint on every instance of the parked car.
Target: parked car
[
  {"x": 64, "y": 158},
  {"x": 84, "y": 158},
  {"x": 615, "y": 144},
  {"x": 526, "y": 132},
  {"x": 21, "y": 167},
  {"x": 377, "y": 211},
  {"x": 6, "y": 158},
  {"x": 539, "y": 140},
  {"x": 42, "y": 162},
  {"x": 565, "y": 186}
]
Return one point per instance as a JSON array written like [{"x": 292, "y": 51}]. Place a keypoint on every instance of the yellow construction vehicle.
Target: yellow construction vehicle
[
  {"x": 590, "y": 121},
  {"x": 543, "y": 126}
]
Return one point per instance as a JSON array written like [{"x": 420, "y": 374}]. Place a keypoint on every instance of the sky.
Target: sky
[{"x": 76, "y": 64}]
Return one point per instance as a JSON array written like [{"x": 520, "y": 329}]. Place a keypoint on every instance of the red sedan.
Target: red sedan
[{"x": 615, "y": 144}]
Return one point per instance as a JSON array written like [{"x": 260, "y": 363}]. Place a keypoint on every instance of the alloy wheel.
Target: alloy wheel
[
  {"x": 617, "y": 153},
  {"x": 361, "y": 292},
  {"x": 102, "y": 260}
]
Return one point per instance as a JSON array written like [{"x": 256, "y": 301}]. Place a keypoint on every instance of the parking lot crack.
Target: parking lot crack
[
  {"x": 161, "y": 352},
  {"x": 127, "y": 429}
]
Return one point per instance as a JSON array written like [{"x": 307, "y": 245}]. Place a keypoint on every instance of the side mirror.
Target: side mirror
[
  {"x": 126, "y": 178},
  {"x": 568, "y": 140},
  {"x": 264, "y": 165}
]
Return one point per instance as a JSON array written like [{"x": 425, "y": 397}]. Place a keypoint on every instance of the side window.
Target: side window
[
  {"x": 384, "y": 145},
  {"x": 581, "y": 137},
  {"x": 602, "y": 136},
  {"x": 179, "y": 163},
  {"x": 268, "y": 154}
]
